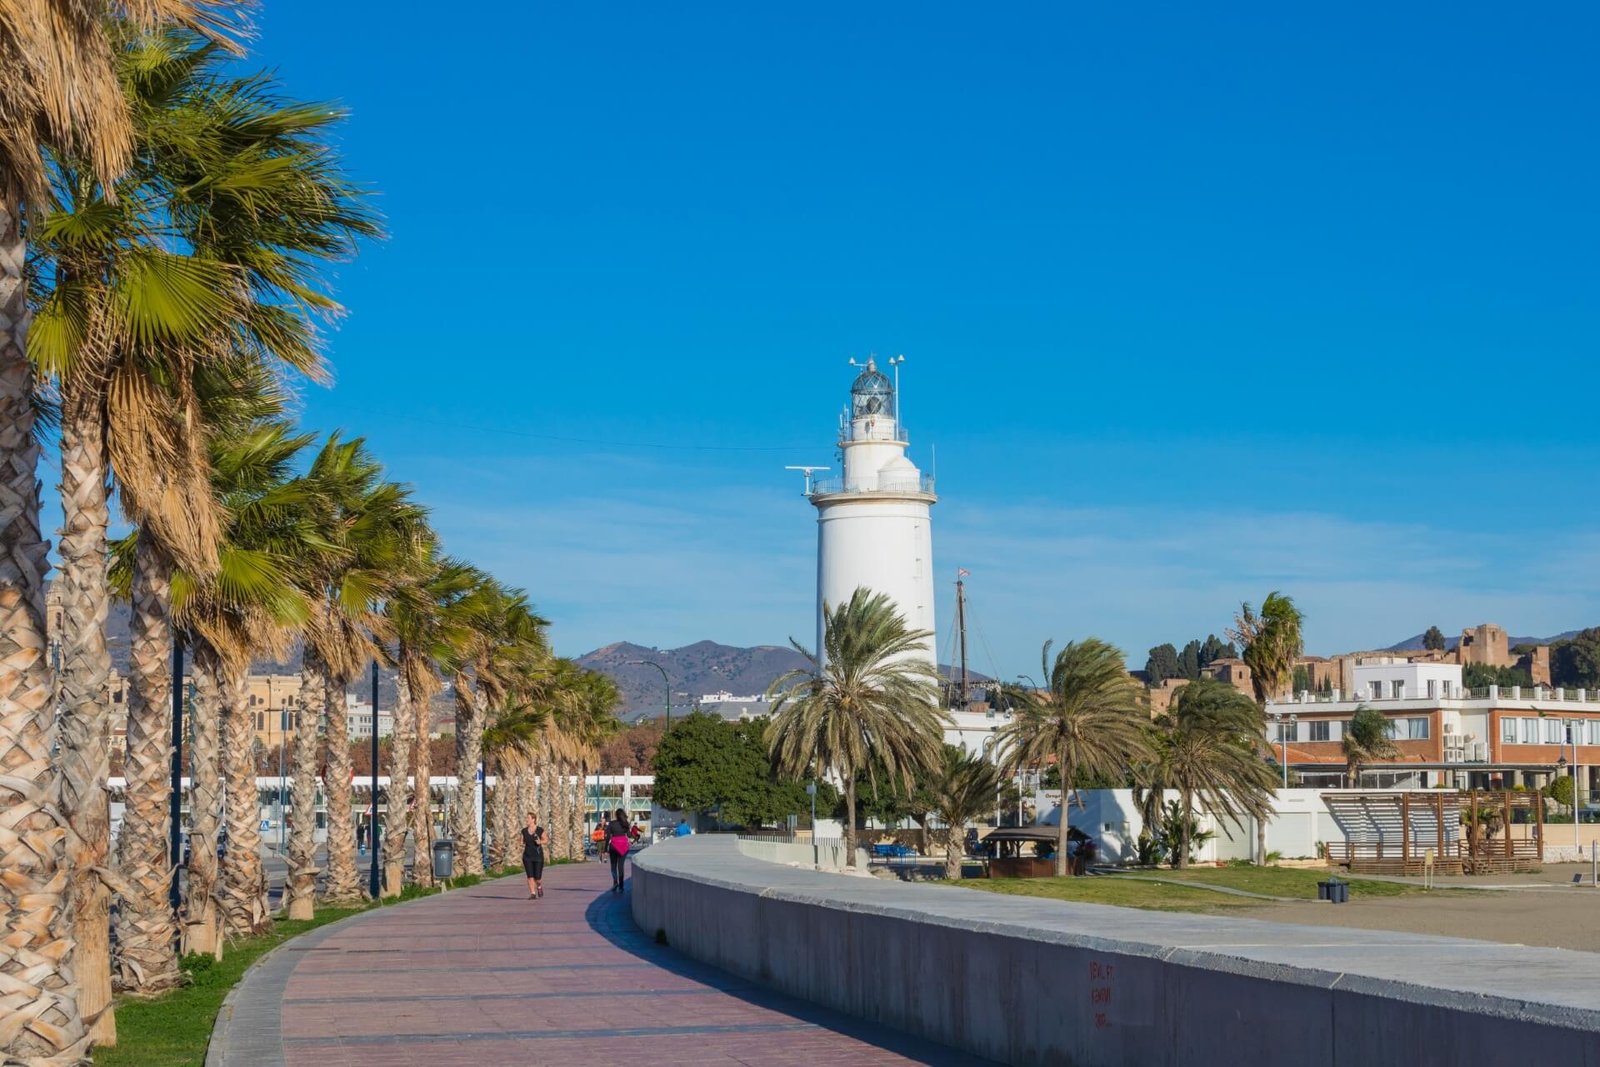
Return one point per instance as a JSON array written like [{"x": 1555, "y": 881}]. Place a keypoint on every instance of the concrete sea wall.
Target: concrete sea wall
[{"x": 1028, "y": 981}]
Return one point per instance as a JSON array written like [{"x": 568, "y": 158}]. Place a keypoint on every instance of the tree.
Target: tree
[
  {"x": 1189, "y": 661},
  {"x": 960, "y": 790},
  {"x": 1575, "y": 663},
  {"x": 867, "y": 693},
  {"x": 1302, "y": 679},
  {"x": 633, "y": 748},
  {"x": 1481, "y": 676},
  {"x": 1088, "y": 719},
  {"x": 704, "y": 764},
  {"x": 1433, "y": 640},
  {"x": 1208, "y": 749},
  {"x": 1269, "y": 643},
  {"x": 1213, "y": 649},
  {"x": 1366, "y": 740},
  {"x": 1162, "y": 664}
]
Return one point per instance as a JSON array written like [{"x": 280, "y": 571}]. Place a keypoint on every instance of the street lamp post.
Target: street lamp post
[
  {"x": 372, "y": 831},
  {"x": 816, "y": 855},
  {"x": 666, "y": 684},
  {"x": 1281, "y": 720},
  {"x": 175, "y": 895}
]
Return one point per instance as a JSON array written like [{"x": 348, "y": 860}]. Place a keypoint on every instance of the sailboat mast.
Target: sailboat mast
[{"x": 961, "y": 629}]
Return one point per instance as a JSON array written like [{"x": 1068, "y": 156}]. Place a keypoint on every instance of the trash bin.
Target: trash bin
[
  {"x": 444, "y": 858},
  {"x": 1338, "y": 892},
  {"x": 1322, "y": 890}
]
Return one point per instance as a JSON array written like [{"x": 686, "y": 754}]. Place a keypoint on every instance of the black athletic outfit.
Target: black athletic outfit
[
  {"x": 617, "y": 828},
  {"x": 532, "y": 854}
]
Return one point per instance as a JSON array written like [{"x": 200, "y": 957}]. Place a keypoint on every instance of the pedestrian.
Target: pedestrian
[
  {"x": 598, "y": 838},
  {"x": 618, "y": 839},
  {"x": 684, "y": 829},
  {"x": 533, "y": 856}
]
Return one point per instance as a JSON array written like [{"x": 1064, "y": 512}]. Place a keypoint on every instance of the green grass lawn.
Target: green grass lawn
[
  {"x": 173, "y": 1031},
  {"x": 1128, "y": 892}
]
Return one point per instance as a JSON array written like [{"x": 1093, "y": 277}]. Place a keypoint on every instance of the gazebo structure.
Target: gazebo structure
[{"x": 1406, "y": 831}]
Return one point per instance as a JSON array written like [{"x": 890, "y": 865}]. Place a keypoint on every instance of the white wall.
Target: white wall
[
  {"x": 1414, "y": 677},
  {"x": 885, "y": 545},
  {"x": 1111, "y": 817}
]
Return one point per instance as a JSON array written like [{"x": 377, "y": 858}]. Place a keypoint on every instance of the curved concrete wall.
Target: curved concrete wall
[{"x": 1028, "y": 981}]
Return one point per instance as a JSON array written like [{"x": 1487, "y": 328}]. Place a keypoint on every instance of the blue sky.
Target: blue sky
[{"x": 1196, "y": 304}]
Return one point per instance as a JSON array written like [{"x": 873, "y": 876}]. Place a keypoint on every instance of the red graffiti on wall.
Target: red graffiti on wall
[{"x": 1100, "y": 983}]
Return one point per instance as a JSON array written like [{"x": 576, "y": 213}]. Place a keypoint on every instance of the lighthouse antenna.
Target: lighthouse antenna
[{"x": 808, "y": 472}]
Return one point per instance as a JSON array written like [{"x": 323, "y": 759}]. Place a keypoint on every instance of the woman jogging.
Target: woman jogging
[
  {"x": 618, "y": 838},
  {"x": 533, "y": 856}
]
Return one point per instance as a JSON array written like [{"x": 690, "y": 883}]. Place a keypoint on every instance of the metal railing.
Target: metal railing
[{"x": 922, "y": 483}]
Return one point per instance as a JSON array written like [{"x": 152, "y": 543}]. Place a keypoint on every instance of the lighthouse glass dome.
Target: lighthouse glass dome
[{"x": 872, "y": 394}]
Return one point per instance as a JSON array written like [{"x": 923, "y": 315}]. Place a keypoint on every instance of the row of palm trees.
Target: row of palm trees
[
  {"x": 870, "y": 700},
  {"x": 167, "y": 229}
]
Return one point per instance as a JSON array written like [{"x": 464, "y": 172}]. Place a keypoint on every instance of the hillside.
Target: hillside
[{"x": 703, "y": 667}]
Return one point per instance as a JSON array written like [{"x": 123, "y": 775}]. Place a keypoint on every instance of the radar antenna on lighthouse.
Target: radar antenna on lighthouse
[{"x": 808, "y": 471}]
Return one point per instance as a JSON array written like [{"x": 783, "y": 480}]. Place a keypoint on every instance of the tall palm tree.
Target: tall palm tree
[
  {"x": 868, "y": 695},
  {"x": 1208, "y": 747},
  {"x": 963, "y": 788},
  {"x": 368, "y": 530},
  {"x": 1366, "y": 740},
  {"x": 58, "y": 84},
  {"x": 125, "y": 324},
  {"x": 1089, "y": 719},
  {"x": 252, "y": 606},
  {"x": 503, "y": 634},
  {"x": 1269, "y": 643}
]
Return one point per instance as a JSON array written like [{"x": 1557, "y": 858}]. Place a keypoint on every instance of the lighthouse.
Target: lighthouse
[{"x": 873, "y": 525}]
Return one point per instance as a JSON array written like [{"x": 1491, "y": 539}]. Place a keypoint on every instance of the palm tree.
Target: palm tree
[
  {"x": 369, "y": 531},
  {"x": 1269, "y": 643},
  {"x": 1208, "y": 748},
  {"x": 503, "y": 634},
  {"x": 58, "y": 84},
  {"x": 253, "y": 606},
  {"x": 1366, "y": 740},
  {"x": 1089, "y": 719},
  {"x": 963, "y": 788},
  {"x": 869, "y": 695}
]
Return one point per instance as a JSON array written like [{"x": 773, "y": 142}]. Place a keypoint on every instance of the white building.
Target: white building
[
  {"x": 873, "y": 525},
  {"x": 1392, "y": 678},
  {"x": 358, "y": 717}
]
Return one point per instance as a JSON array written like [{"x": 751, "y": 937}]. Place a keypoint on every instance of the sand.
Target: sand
[{"x": 1542, "y": 909}]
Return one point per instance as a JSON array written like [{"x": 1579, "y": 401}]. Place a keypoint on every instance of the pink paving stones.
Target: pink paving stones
[{"x": 484, "y": 976}]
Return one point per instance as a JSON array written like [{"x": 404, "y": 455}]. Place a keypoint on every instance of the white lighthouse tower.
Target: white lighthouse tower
[{"x": 873, "y": 525}]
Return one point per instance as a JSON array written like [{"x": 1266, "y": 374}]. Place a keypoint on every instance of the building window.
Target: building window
[
  {"x": 1530, "y": 731},
  {"x": 1433, "y": 688},
  {"x": 1447, "y": 687},
  {"x": 1377, "y": 690},
  {"x": 1319, "y": 730},
  {"x": 1397, "y": 690},
  {"x": 1508, "y": 731},
  {"x": 1554, "y": 732},
  {"x": 1418, "y": 729}
]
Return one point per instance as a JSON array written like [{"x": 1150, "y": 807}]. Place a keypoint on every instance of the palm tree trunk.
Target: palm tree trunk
[
  {"x": 1183, "y": 830},
  {"x": 502, "y": 800},
  {"x": 955, "y": 840},
  {"x": 84, "y": 759},
  {"x": 544, "y": 805},
  {"x": 422, "y": 809},
  {"x": 300, "y": 888},
  {"x": 147, "y": 958},
  {"x": 202, "y": 932},
  {"x": 398, "y": 822},
  {"x": 558, "y": 814},
  {"x": 850, "y": 820},
  {"x": 1066, "y": 803},
  {"x": 344, "y": 885},
  {"x": 527, "y": 792},
  {"x": 575, "y": 815},
  {"x": 244, "y": 880},
  {"x": 469, "y": 752},
  {"x": 37, "y": 953}
]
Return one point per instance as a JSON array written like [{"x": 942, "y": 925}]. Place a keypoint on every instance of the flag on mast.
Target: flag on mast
[{"x": 962, "y": 572}]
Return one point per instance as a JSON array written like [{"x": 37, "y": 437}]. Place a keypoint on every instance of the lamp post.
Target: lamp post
[
  {"x": 666, "y": 684},
  {"x": 1281, "y": 720},
  {"x": 816, "y": 856},
  {"x": 175, "y": 895},
  {"x": 372, "y": 876}
]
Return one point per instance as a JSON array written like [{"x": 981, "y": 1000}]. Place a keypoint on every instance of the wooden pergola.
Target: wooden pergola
[{"x": 1403, "y": 831}]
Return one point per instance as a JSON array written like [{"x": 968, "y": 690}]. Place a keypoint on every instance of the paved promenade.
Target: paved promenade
[{"x": 484, "y": 976}]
